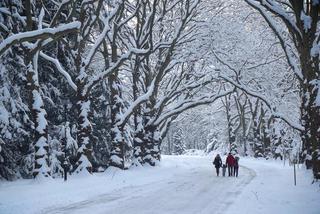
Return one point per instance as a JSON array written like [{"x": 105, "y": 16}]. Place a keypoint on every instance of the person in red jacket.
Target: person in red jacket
[{"x": 230, "y": 161}]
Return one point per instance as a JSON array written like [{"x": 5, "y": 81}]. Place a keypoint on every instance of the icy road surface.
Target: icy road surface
[{"x": 191, "y": 188}]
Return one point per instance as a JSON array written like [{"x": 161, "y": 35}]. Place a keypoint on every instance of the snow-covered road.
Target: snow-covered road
[
  {"x": 181, "y": 184},
  {"x": 191, "y": 189}
]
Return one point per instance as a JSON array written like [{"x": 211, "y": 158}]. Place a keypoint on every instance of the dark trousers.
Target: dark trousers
[
  {"x": 230, "y": 170},
  {"x": 236, "y": 169},
  {"x": 217, "y": 170}
]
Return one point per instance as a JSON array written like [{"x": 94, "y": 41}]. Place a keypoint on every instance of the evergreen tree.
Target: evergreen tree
[{"x": 179, "y": 146}]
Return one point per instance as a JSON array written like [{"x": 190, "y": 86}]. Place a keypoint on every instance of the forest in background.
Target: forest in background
[{"x": 88, "y": 84}]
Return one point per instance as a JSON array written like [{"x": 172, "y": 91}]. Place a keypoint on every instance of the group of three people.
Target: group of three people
[{"x": 231, "y": 162}]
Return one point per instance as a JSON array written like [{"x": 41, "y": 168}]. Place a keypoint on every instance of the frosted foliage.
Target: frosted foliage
[
  {"x": 41, "y": 144},
  {"x": 7, "y": 110},
  {"x": 55, "y": 164},
  {"x": 157, "y": 136},
  {"x": 55, "y": 155},
  {"x": 116, "y": 159},
  {"x": 84, "y": 165},
  {"x": 306, "y": 21},
  {"x": 4, "y": 115},
  {"x": 41, "y": 113},
  {"x": 42, "y": 159},
  {"x": 85, "y": 110},
  {"x": 118, "y": 134},
  {"x": 71, "y": 142},
  {"x": 278, "y": 150},
  {"x": 83, "y": 147},
  {"x": 14, "y": 121},
  {"x": 315, "y": 50},
  {"x": 151, "y": 158}
]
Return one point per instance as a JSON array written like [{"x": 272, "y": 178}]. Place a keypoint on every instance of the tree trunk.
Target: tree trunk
[
  {"x": 153, "y": 142},
  {"x": 117, "y": 153},
  {"x": 310, "y": 102},
  {"x": 231, "y": 132},
  {"x": 84, "y": 153},
  {"x": 41, "y": 146},
  {"x": 257, "y": 147},
  {"x": 310, "y": 118},
  {"x": 138, "y": 144}
]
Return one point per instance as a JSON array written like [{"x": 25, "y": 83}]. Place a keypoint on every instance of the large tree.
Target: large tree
[
  {"x": 300, "y": 43},
  {"x": 30, "y": 35}
]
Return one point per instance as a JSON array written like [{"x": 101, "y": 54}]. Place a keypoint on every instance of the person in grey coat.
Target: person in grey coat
[{"x": 236, "y": 166}]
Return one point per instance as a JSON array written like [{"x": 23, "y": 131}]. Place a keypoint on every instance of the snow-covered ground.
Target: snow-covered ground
[
  {"x": 181, "y": 184},
  {"x": 273, "y": 190}
]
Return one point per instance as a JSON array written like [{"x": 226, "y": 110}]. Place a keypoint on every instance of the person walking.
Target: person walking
[
  {"x": 230, "y": 164},
  {"x": 236, "y": 166},
  {"x": 217, "y": 163},
  {"x": 224, "y": 169}
]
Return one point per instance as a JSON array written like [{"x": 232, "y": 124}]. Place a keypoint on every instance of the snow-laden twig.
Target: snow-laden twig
[
  {"x": 57, "y": 14},
  {"x": 188, "y": 104},
  {"x": 60, "y": 69},
  {"x": 135, "y": 104},
  {"x": 272, "y": 108},
  {"x": 98, "y": 77},
  {"x": 280, "y": 34},
  {"x": 274, "y": 8},
  {"x": 38, "y": 34},
  {"x": 99, "y": 40}
]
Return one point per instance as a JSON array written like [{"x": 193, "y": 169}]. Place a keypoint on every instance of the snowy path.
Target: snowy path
[
  {"x": 180, "y": 185},
  {"x": 193, "y": 190}
]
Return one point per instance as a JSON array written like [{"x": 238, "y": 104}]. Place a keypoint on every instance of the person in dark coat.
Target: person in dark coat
[
  {"x": 217, "y": 163},
  {"x": 236, "y": 166},
  {"x": 230, "y": 163}
]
